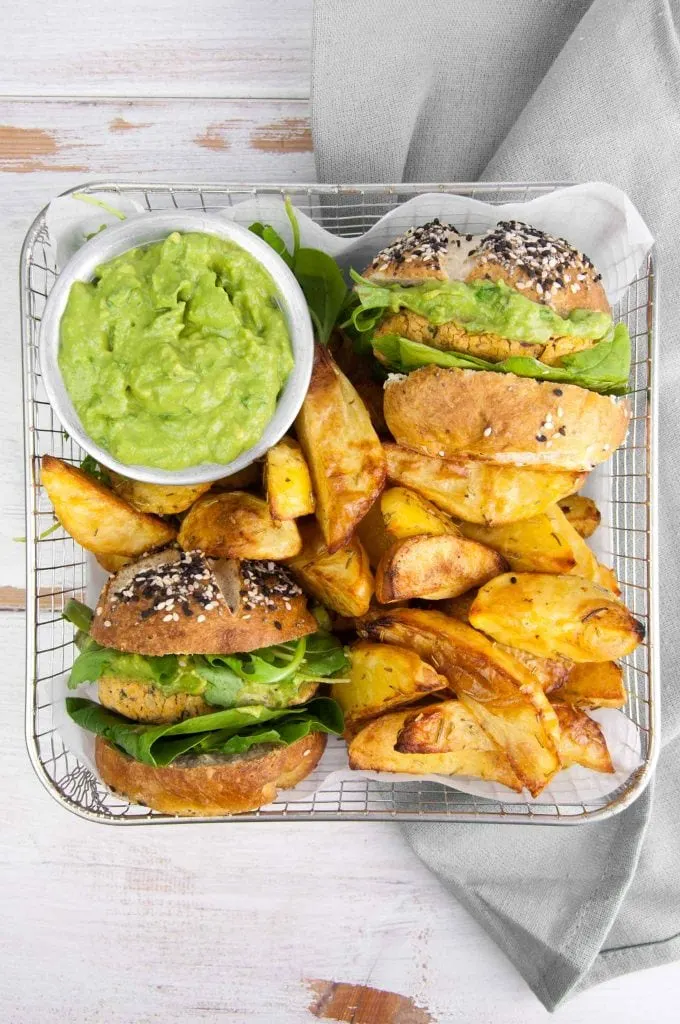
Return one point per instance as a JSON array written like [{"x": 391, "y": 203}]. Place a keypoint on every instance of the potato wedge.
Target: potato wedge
[
  {"x": 529, "y": 545},
  {"x": 475, "y": 754},
  {"x": 582, "y": 513},
  {"x": 479, "y": 492},
  {"x": 236, "y": 524},
  {"x": 501, "y": 694},
  {"x": 581, "y": 740},
  {"x": 593, "y": 685},
  {"x": 249, "y": 477},
  {"x": 342, "y": 580},
  {"x": 342, "y": 449},
  {"x": 407, "y": 514},
  {"x": 373, "y": 535},
  {"x": 547, "y": 615},
  {"x": 96, "y": 517},
  {"x": 434, "y": 568},
  {"x": 287, "y": 481},
  {"x": 112, "y": 563},
  {"x": 382, "y": 677},
  {"x": 163, "y": 501},
  {"x": 359, "y": 372},
  {"x": 550, "y": 672}
]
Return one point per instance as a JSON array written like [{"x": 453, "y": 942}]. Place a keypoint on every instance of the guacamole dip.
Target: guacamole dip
[{"x": 176, "y": 352}]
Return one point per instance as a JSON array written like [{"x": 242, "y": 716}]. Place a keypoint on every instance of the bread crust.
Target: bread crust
[
  {"x": 501, "y": 418},
  {"x": 132, "y": 624},
  {"x": 231, "y": 786}
]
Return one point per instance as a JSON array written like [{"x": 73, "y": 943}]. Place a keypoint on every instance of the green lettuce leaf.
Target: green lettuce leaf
[
  {"x": 160, "y": 745},
  {"x": 478, "y": 307},
  {"x": 604, "y": 367}
]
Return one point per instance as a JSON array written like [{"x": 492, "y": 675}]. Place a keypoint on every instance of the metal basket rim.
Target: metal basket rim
[{"x": 639, "y": 780}]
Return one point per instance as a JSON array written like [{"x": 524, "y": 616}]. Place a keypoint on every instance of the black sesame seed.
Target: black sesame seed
[
  {"x": 558, "y": 392},
  {"x": 513, "y": 579},
  {"x": 541, "y": 437}
]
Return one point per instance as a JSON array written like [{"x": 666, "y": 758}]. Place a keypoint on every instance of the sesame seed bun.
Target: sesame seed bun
[
  {"x": 544, "y": 268},
  {"x": 501, "y": 418},
  {"x": 209, "y": 786},
  {"x": 215, "y": 607}
]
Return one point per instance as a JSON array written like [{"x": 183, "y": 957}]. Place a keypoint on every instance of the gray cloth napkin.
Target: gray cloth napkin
[{"x": 538, "y": 90}]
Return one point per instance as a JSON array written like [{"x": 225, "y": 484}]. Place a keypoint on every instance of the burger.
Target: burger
[
  {"x": 207, "y": 673},
  {"x": 500, "y": 347}
]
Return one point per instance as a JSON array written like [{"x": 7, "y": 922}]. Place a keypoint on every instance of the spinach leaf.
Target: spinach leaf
[
  {"x": 603, "y": 368},
  {"x": 159, "y": 745},
  {"x": 78, "y": 614},
  {"x": 90, "y": 665},
  {"x": 317, "y": 273}
]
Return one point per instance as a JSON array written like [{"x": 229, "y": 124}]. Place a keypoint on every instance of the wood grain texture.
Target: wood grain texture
[{"x": 157, "y": 48}]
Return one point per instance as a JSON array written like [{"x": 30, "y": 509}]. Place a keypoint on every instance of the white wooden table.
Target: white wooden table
[{"x": 215, "y": 923}]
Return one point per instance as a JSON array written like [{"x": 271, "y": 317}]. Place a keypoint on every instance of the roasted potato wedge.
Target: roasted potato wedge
[
  {"x": 247, "y": 478},
  {"x": 342, "y": 449},
  {"x": 236, "y": 524},
  {"x": 360, "y": 373},
  {"x": 479, "y": 492},
  {"x": 373, "y": 535},
  {"x": 582, "y": 513},
  {"x": 341, "y": 580},
  {"x": 529, "y": 545},
  {"x": 112, "y": 563},
  {"x": 474, "y": 753},
  {"x": 163, "y": 501},
  {"x": 581, "y": 740},
  {"x": 501, "y": 694},
  {"x": 550, "y": 672},
  {"x": 593, "y": 685},
  {"x": 382, "y": 677},
  {"x": 407, "y": 514},
  {"x": 287, "y": 481},
  {"x": 434, "y": 568},
  {"x": 96, "y": 517},
  {"x": 547, "y": 615}
]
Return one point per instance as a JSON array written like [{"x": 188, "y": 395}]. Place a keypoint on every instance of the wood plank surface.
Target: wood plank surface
[{"x": 156, "y": 48}]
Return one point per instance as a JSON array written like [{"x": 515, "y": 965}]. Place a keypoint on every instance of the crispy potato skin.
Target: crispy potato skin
[
  {"x": 475, "y": 754},
  {"x": 383, "y": 677},
  {"x": 163, "y": 501},
  {"x": 548, "y": 614},
  {"x": 249, "y": 477},
  {"x": 407, "y": 514},
  {"x": 434, "y": 568},
  {"x": 479, "y": 492},
  {"x": 358, "y": 371},
  {"x": 373, "y": 535},
  {"x": 342, "y": 449},
  {"x": 501, "y": 418},
  {"x": 236, "y": 524},
  {"x": 341, "y": 580},
  {"x": 228, "y": 787},
  {"x": 591, "y": 685},
  {"x": 582, "y": 513},
  {"x": 287, "y": 481},
  {"x": 581, "y": 740},
  {"x": 502, "y": 695},
  {"x": 98, "y": 519},
  {"x": 142, "y": 701}
]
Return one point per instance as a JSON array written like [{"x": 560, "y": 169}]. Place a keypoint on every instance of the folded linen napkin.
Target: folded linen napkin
[{"x": 538, "y": 90}]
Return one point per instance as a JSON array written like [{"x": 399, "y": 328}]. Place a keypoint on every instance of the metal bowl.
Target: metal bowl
[{"x": 143, "y": 230}]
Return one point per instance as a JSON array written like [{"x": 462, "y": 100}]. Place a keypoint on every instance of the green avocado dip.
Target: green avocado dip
[
  {"x": 175, "y": 353},
  {"x": 479, "y": 307}
]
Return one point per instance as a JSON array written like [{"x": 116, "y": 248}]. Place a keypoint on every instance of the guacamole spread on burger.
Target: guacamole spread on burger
[{"x": 175, "y": 353}]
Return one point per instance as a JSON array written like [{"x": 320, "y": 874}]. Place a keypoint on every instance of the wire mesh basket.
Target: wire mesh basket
[{"x": 57, "y": 567}]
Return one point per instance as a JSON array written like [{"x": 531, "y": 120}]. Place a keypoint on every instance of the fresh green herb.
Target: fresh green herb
[
  {"x": 317, "y": 273},
  {"x": 50, "y": 530},
  {"x": 604, "y": 367},
  {"x": 92, "y": 201},
  {"x": 90, "y": 466},
  {"x": 271, "y": 676},
  {"x": 222, "y": 732}
]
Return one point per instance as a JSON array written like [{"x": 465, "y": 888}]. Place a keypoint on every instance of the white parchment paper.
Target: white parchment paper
[{"x": 601, "y": 221}]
